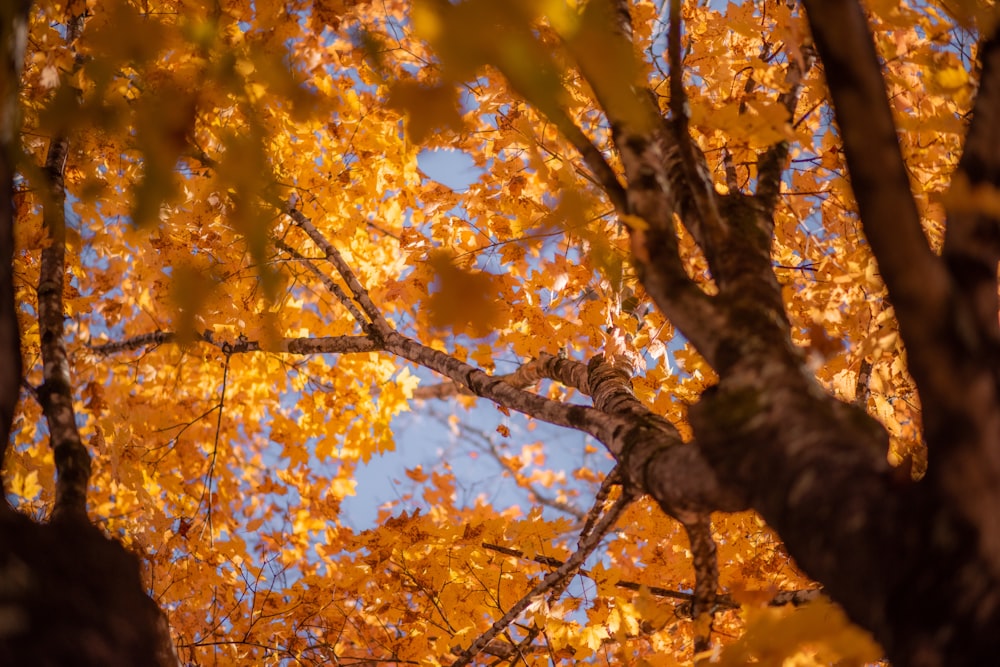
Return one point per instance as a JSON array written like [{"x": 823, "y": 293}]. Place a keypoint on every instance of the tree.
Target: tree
[{"x": 225, "y": 276}]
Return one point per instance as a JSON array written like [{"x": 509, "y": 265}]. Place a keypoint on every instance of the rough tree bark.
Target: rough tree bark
[
  {"x": 918, "y": 564},
  {"x": 68, "y": 594}
]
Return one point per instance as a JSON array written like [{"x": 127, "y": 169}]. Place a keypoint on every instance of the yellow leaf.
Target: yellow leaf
[
  {"x": 654, "y": 614},
  {"x": 26, "y": 486},
  {"x": 951, "y": 78}
]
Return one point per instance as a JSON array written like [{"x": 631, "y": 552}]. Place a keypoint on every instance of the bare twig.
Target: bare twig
[
  {"x": 486, "y": 442},
  {"x": 537, "y": 496},
  {"x": 379, "y": 325},
  {"x": 549, "y": 581},
  {"x": 206, "y": 492},
  {"x": 328, "y": 282}
]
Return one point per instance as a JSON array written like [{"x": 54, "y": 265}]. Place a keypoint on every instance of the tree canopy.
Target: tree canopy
[{"x": 747, "y": 252}]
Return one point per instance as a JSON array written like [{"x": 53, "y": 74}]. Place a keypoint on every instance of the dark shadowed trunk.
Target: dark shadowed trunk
[{"x": 917, "y": 563}]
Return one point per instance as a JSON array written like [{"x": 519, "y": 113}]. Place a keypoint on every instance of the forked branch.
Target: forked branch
[
  {"x": 550, "y": 581},
  {"x": 379, "y": 326},
  {"x": 565, "y": 371},
  {"x": 771, "y": 163},
  {"x": 328, "y": 282}
]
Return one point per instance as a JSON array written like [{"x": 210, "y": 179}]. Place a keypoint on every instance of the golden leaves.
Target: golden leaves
[
  {"x": 817, "y": 633},
  {"x": 207, "y": 112}
]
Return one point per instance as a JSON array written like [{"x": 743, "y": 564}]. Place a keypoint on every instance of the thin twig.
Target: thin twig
[
  {"x": 210, "y": 475},
  {"x": 781, "y": 598},
  {"x": 328, "y": 282},
  {"x": 378, "y": 322},
  {"x": 549, "y": 581},
  {"x": 536, "y": 495},
  {"x": 696, "y": 176}
]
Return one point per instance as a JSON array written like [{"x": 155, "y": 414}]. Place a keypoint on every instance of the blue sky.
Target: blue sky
[{"x": 424, "y": 438}]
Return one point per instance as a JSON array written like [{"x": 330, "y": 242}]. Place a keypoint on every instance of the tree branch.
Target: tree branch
[
  {"x": 321, "y": 345},
  {"x": 552, "y": 579},
  {"x": 651, "y": 452},
  {"x": 328, "y": 282},
  {"x": 771, "y": 163},
  {"x": 566, "y": 371},
  {"x": 656, "y": 187},
  {"x": 72, "y": 460},
  {"x": 592, "y": 157},
  {"x": 379, "y": 325},
  {"x": 577, "y": 417}
]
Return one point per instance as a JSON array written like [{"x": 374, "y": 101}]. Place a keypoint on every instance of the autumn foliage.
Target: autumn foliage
[{"x": 696, "y": 235}]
